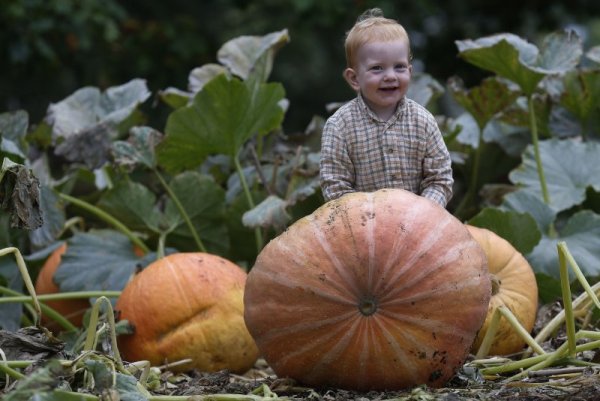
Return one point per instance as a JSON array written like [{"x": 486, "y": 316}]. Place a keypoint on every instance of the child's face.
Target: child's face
[{"x": 381, "y": 72}]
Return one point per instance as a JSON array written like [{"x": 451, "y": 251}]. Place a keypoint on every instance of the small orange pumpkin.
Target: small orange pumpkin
[
  {"x": 72, "y": 309},
  {"x": 372, "y": 291},
  {"x": 513, "y": 285},
  {"x": 188, "y": 305}
]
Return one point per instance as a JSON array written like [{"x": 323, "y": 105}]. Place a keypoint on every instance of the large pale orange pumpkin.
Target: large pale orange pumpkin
[
  {"x": 382, "y": 290},
  {"x": 513, "y": 285},
  {"x": 188, "y": 305},
  {"x": 72, "y": 309}
]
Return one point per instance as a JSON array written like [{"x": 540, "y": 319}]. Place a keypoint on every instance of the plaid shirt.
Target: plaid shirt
[{"x": 359, "y": 152}]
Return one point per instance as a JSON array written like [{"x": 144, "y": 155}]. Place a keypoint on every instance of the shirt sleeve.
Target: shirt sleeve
[
  {"x": 437, "y": 168},
  {"x": 336, "y": 167}
]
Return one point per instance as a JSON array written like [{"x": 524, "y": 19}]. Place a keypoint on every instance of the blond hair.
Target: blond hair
[{"x": 369, "y": 27}]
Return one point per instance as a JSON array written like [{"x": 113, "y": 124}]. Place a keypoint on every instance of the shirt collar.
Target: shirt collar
[{"x": 368, "y": 112}]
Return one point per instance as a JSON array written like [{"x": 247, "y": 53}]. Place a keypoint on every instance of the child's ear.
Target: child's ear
[{"x": 351, "y": 78}]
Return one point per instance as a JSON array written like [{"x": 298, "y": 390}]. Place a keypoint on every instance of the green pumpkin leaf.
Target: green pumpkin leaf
[
  {"x": 483, "y": 101},
  {"x": 520, "y": 229},
  {"x": 223, "y": 116},
  {"x": 241, "y": 54},
  {"x": 527, "y": 202},
  {"x": 507, "y": 55},
  {"x": 204, "y": 202},
  {"x": 132, "y": 204},
  {"x": 570, "y": 168},
  {"x": 98, "y": 260},
  {"x": 512, "y": 57},
  {"x": 581, "y": 233}
]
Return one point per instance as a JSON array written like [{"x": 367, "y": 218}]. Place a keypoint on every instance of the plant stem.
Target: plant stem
[
  {"x": 46, "y": 310},
  {"x": 240, "y": 171},
  {"x": 26, "y": 279},
  {"x": 58, "y": 296},
  {"x": 567, "y": 301},
  {"x": 182, "y": 211},
  {"x": 90, "y": 339},
  {"x": 464, "y": 206},
  {"x": 108, "y": 218},
  {"x": 536, "y": 149}
]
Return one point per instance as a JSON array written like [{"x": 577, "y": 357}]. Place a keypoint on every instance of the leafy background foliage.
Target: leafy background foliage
[{"x": 161, "y": 129}]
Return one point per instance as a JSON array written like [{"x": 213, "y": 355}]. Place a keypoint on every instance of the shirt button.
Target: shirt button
[{"x": 391, "y": 150}]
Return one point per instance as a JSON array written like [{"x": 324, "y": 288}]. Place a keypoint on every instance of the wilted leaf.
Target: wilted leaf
[
  {"x": 520, "y": 229},
  {"x": 223, "y": 116},
  {"x": 85, "y": 123},
  {"x": 138, "y": 149},
  {"x": 20, "y": 195},
  {"x": 107, "y": 380},
  {"x": 270, "y": 213},
  {"x": 570, "y": 168}
]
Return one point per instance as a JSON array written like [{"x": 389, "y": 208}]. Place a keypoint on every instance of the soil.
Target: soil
[{"x": 262, "y": 382}]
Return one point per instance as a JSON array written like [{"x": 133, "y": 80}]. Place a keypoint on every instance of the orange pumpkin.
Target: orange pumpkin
[
  {"x": 513, "y": 285},
  {"x": 188, "y": 305},
  {"x": 381, "y": 290},
  {"x": 72, "y": 309}
]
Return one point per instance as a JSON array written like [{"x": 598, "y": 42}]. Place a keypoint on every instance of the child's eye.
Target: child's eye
[
  {"x": 401, "y": 67},
  {"x": 376, "y": 68}
]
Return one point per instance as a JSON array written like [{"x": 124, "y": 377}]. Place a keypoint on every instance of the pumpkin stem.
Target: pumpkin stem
[
  {"x": 496, "y": 283},
  {"x": 367, "y": 306}
]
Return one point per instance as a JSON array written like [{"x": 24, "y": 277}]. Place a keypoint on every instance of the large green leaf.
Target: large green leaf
[
  {"x": 514, "y": 58},
  {"x": 204, "y": 202},
  {"x": 570, "y": 168},
  {"x": 527, "y": 202},
  {"x": 520, "y": 229},
  {"x": 241, "y": 54},
  {"x": 581, "y": 233},
  {"x": 223, "y": 116},
  {"x": 507, "y": 55},
  {"x": 98, "y": 260},
  {"x": 134, "y": 205},
  {"x": 54, "y": 219},
  {"x": 483, "y": 101}
]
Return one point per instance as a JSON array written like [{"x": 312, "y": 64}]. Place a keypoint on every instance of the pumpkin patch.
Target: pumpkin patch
[{"x": 382, "y": 290}]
